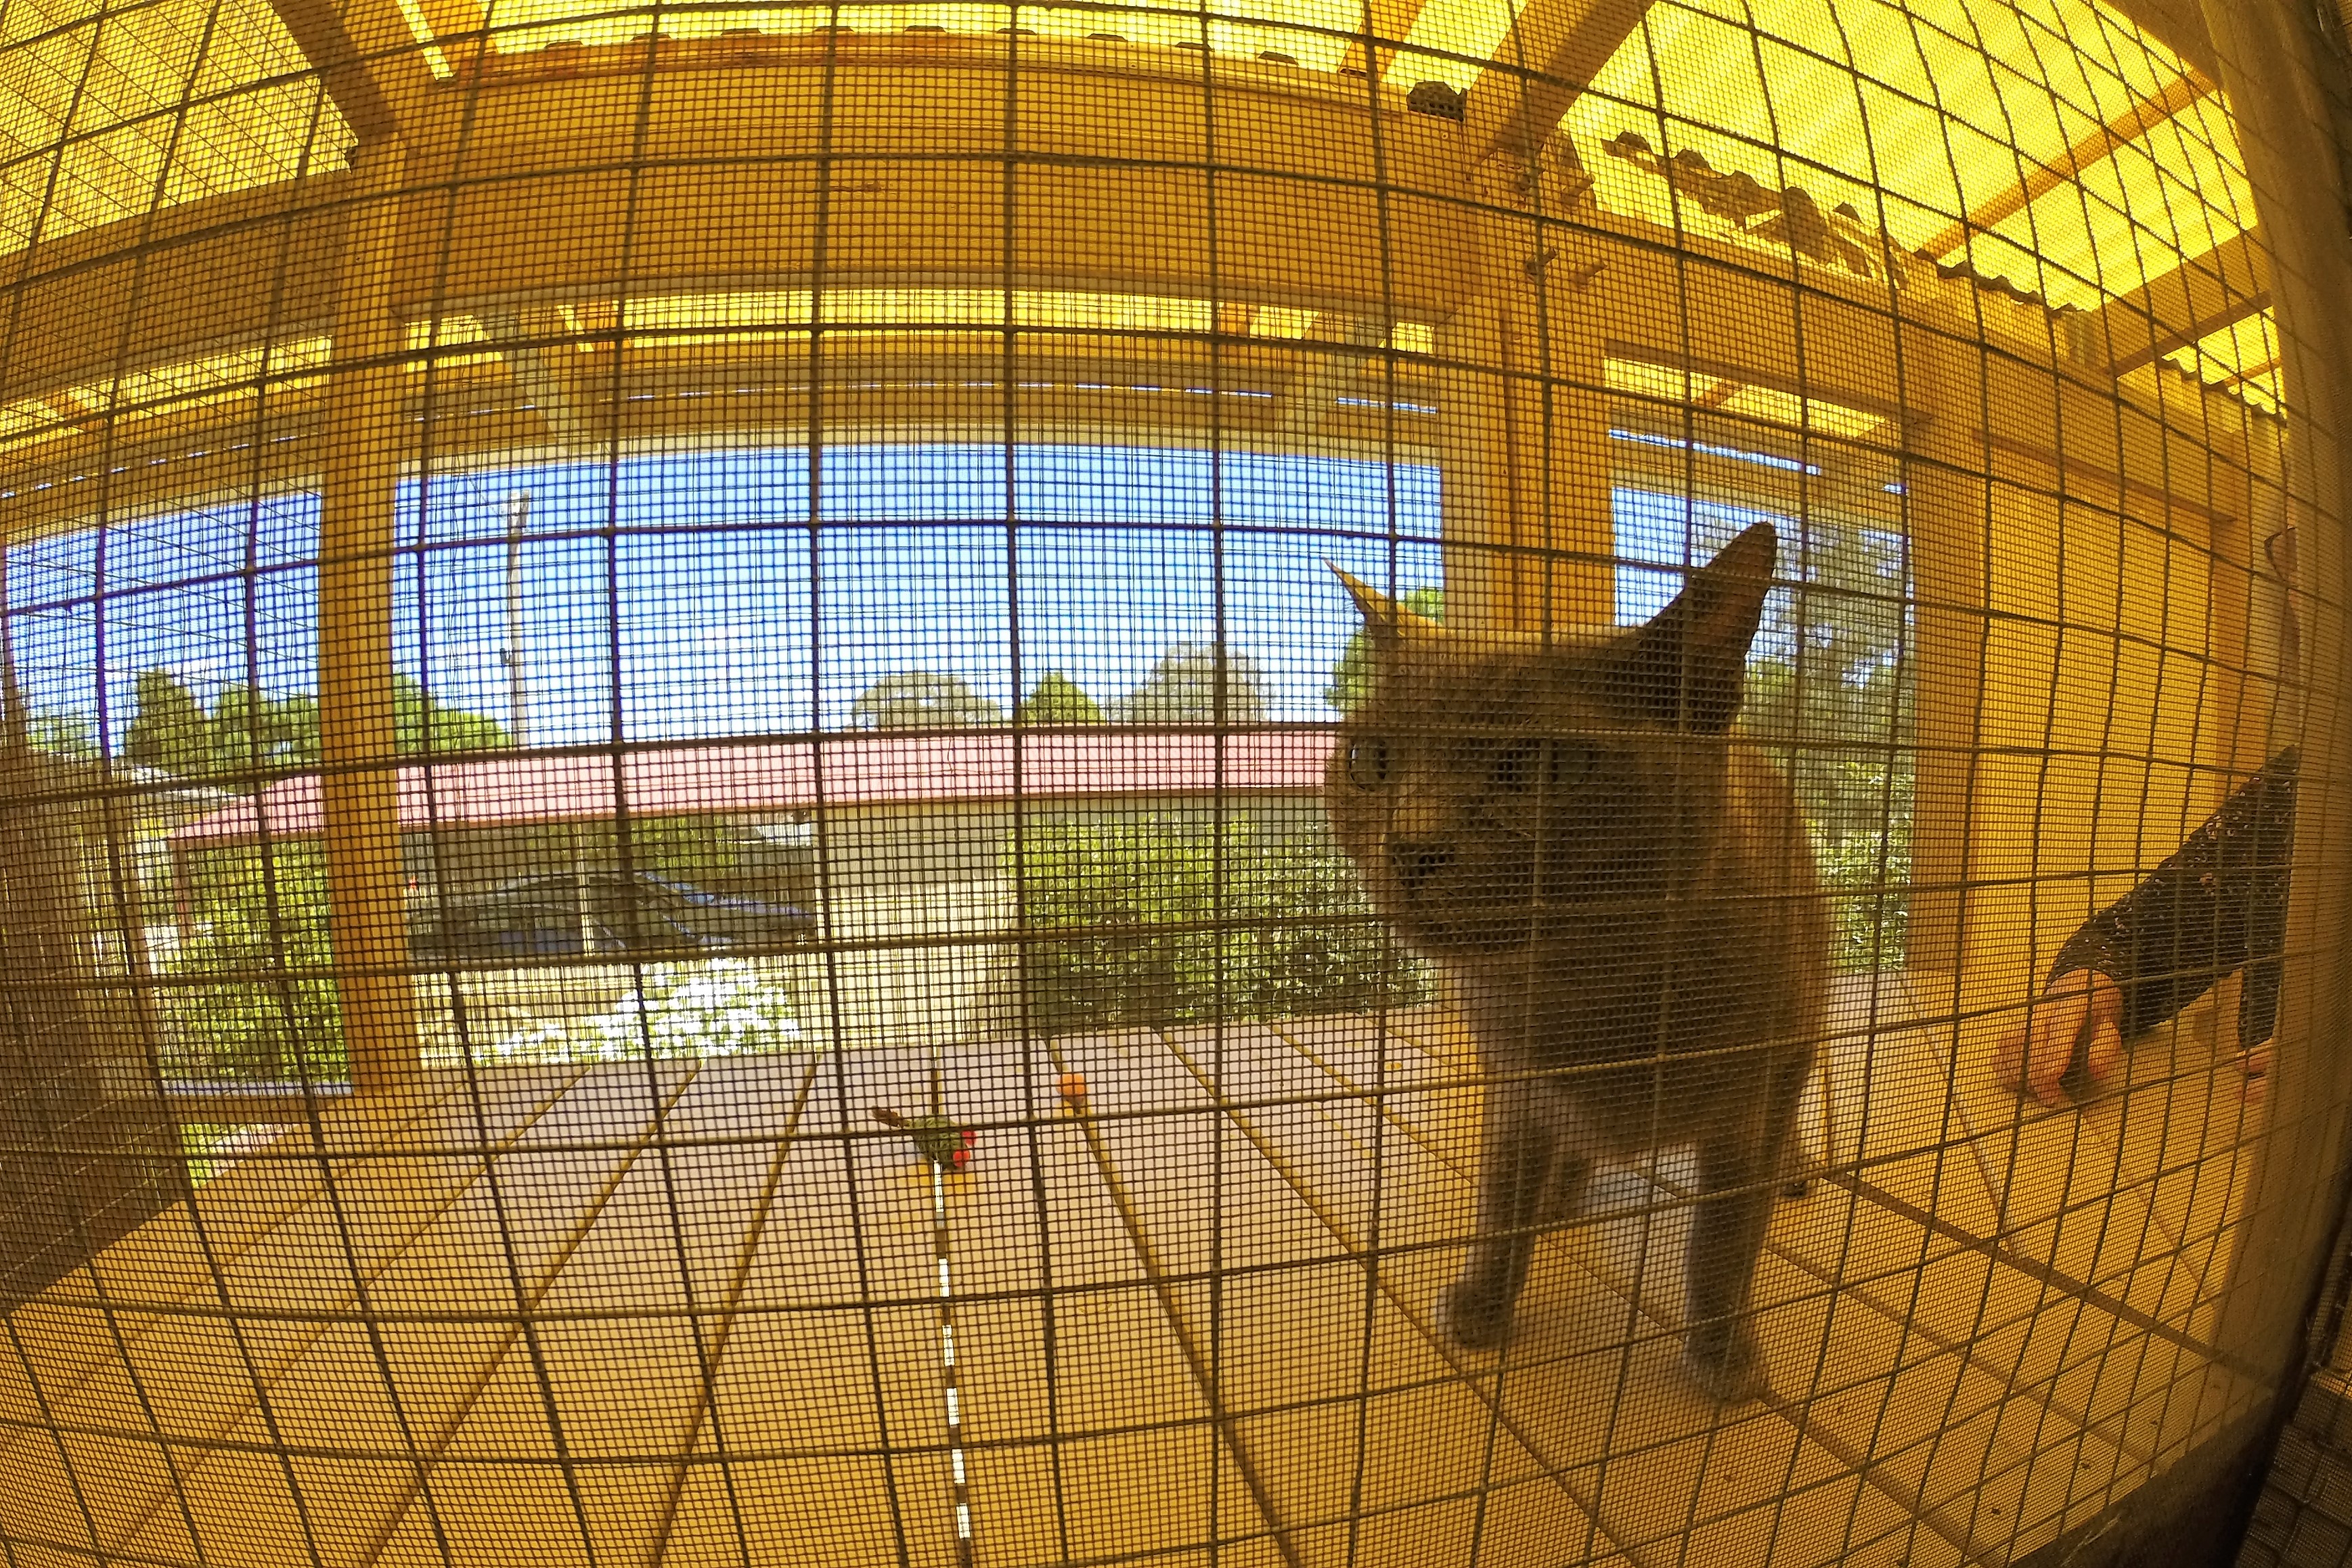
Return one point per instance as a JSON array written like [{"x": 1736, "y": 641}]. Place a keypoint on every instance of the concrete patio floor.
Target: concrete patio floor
[{"x": 682, "y": 1313}]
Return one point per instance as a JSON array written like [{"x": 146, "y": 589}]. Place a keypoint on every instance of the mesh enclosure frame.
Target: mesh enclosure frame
[{"x": 677, "y": 747}]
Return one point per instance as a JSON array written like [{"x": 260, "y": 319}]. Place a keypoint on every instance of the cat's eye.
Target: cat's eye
[
  {"x": 1552, "y": 766},
  {"x": 1368, "y": 763}
]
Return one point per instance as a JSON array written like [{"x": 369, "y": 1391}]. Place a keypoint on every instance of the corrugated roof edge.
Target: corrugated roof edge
[{"x": 858, "y": 769}]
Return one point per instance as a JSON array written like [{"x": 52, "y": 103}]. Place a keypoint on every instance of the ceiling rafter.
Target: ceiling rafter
[
  {"x": 2251, "y": 373},
  {"x": 368, "y": 57},
  {"x": 2204, "y": 295},
  {"x": 2141, "y": 117},
  {"x": 460, "y": 31},
  {"x": 1326, "y": 377},
  {"x": 1542, "y": 68},
  {"x": 2178, "y": 24},
  {"x": 1389, "y": 21}
]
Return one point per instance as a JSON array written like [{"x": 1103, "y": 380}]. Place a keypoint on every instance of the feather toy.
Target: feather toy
[{"x": 944, "y": 1143}]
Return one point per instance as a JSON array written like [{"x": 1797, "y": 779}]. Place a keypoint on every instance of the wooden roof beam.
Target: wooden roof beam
[
  {"x": 1386, "y": 25},
  {"x": 371, "y": 62},
  {"x": 533, "y": 361},
  {"x": 2178, "y": 24},
  {"x": 1542, "y": 68},
  {"x": 2069, "y": 166},
  {"x": 2238, "y": 377},
  {"x": 460, "y": 31},
  {"x": 1325, "y": 374},
  {"x": 2202, "y": 295}
]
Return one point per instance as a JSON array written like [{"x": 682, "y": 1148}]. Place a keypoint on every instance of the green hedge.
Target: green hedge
[
  {"x": 1868, "y": 872},
  {"x": 280, "y": 1020},
  {"x": 1274, "y": 927}
]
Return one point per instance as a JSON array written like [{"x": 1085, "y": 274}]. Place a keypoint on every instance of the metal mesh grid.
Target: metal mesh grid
[{"x": 740, "y": 568}]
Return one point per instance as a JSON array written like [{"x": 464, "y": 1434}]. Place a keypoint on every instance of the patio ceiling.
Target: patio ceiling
[{"x": 2058, "y": 145}]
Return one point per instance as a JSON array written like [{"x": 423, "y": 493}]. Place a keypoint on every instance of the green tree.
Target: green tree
[
  {"x": 169, "y": 729},
  {"x": 1183, "y": 685},
  {"x": 1829, "y": 694},
  {"x": 72, "y": 736},
  {"x": 1351, "y": 676},
  {"x": 253, "y": 733},
  {"x": 1058, "y": 700},
  {"x": 923, "y": 699},
  {"x": 423, "y": 723},
  {"x": 249, "y": 735}
]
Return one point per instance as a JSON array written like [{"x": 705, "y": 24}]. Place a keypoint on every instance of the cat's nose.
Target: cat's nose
[{"x": 1415, "y": 861}]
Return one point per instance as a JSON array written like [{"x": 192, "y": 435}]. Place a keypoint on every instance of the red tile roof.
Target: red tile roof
[{"x": 858, "y": 769}]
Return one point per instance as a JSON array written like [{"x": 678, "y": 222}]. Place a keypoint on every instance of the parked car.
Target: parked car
[{"x": 598, "y": 912}]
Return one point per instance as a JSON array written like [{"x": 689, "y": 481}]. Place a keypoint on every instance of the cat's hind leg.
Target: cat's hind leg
[
  {"x": 1801, "y": 1163},
  {"x": 1800, "y": 1166},
  {"x": 1522, "y": 1186},
  {"x": 1563, "y": 1191}
]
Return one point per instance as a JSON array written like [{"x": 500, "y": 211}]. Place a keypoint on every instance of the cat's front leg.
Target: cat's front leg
[
  {"x": 1521, "y": 1186},
  {"x": 1739, "y": 1168},
  {"x": 1719, "y": 1342}
]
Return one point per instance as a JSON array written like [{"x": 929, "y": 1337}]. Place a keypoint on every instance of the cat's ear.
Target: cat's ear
[
  {"x": 1688, "y": 666},
  {"x": 1386, "y": 621}
]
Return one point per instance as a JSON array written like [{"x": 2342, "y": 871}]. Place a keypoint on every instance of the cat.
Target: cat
[{"x": 1620, "y": 890}]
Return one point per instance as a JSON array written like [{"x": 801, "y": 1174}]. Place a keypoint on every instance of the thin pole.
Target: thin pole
[{"x": 518, "y": 519}]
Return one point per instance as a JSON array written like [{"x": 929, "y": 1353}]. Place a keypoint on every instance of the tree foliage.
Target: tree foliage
[
  {"x": 1058, "y": 700},
  {"x": 71, "y": 736},
  {"x": 423, "y": 723},
  {"x": 1830, "y": 693},
  {"x": 247, "y": 735},
  {"x": 923, "y": 699},
  {"x": 253, "y": 733},
  {"x": 257, "y": 1002},
  {"x": 1182, "y": 687},
  {"x": 169, "y": 730}
]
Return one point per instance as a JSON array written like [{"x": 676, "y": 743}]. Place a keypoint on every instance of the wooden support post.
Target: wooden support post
[
  {"x": 2279, "y": 606},
  {"x": 366, "y": 436},
  {"x": 1528, "y": 418},
  {"x": 1474, "y": 491},
  {"x": 1946, "y": 502},
  {"x": 2243, "y": 647},
  {"x": 1554, "y": 355}
]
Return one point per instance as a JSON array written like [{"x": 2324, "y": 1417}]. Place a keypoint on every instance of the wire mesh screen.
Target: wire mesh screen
[{"x": 1442, "y": 784}]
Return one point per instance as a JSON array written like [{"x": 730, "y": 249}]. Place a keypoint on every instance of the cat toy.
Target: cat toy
[
  {"x": 944, "y": 1143},
  {"x": 1073, "y": 1093}
]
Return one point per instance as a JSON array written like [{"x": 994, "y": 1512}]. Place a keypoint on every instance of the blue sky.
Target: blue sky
[{"x": 752, "y": 595}]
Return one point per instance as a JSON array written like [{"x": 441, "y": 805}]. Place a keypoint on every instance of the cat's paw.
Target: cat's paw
[
  {"x": 1475, "y": 1317},
  {"x": 1799, "y": 1171},
  {"x": 1726, "y": 1363}
]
